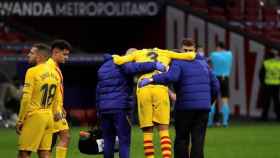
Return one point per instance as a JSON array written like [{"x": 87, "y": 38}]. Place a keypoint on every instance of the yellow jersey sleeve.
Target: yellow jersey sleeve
[
  {"x": 120, "y": 60},
  {"x": 26, "y": 94},
  {"x": 58, "y": 102},
  {"x": 180, "y": 56}
]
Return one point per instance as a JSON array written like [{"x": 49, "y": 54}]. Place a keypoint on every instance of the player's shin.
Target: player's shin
[
  {"x": 226, "y": 112},
  {"x": 60, "y": 152},
  {"x": 148, "y": 145},
  {"x": 211, "y": 116},
  {"x": 165, "y": 144}
]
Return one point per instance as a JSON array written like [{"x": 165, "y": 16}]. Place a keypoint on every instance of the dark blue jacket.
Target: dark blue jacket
[
  {"x": 114, "y": 89},
  {"x": 194, "y": 83}
]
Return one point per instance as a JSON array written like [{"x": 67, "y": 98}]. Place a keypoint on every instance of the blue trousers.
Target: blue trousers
[{"x": 112, "y": 125}]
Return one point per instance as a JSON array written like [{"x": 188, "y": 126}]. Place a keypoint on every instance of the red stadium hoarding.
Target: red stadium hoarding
[{"x": 248, "y": 53}]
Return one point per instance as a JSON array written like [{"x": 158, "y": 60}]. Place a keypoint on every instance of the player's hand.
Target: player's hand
[
  {"x": 19, "y": 126},
  {"x": 160, "y": 67},
  {"x": 144, "y": 82},
  {"x": 115, "y": 56},
  {"x": 172, "y": 95},
  {"x": 64, "y": 113},
  {"x": 115, "y": 59},
  {"x": 57, "y": 116}
]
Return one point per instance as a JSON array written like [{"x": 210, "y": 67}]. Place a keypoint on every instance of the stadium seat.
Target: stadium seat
[
  {"x": 199, "y": 5},
  {"x": 91, "y": 116},
  {"x": 84, "y": 117},
  {"x": 272, "y": 34},
  {"x": 253, "y": 29},
  {"x": 25, "y": 51},
  {"x": 235, "y": 4},
  {"x": 252, "y": 4},
  {"x": 7, "y": 52},
  {"x": 79, "y": 115},
  {"x": 251, "y": 14},
  {"x": 235, "y": 14},
  {"x": 217, "y": 13},
  {"x": 15, "y": 37},
  {"x": 270, "y": 17}
]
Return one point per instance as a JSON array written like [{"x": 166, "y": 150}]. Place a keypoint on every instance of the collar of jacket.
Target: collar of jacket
[{"x": 107, "y": 57}]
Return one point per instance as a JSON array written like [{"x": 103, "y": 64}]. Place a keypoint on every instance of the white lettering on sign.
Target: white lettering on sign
[
  {"x": 259, "y": 50},
  {"x": 242, "y": 94},
  {"x": 196, "y": 25},
  {"x": 91, "y": 8},
  {"x": 175, "y": 30},
  {"x": 237, "y": 77}
]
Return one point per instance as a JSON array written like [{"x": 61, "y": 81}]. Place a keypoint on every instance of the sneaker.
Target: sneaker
[{"x": 217, "y": 124}]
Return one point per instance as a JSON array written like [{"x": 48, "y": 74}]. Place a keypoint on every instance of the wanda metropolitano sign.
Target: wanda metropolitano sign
[{"x": 79, "y": 8}]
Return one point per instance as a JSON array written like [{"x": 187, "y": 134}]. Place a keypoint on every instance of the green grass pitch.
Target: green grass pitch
[{"x": 240, "y": 140}]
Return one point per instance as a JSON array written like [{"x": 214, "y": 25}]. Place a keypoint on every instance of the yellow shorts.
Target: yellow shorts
[
  {"x": 60, "y": 125},
  {"x": 37, "y": 131},
  {"x": 153, "y": 105}
]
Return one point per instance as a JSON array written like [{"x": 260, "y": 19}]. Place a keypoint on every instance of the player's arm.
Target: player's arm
[
  {"x": 133, "y": 68},
  {"x": 26, "y": 95},
  {"x": 172, "y": 75},
  {"x": 58, "y": 104},
  {"x": 180, "y": 56},
  {"x": 120, "y": 60},
  {"x": 172, "y": 95}
]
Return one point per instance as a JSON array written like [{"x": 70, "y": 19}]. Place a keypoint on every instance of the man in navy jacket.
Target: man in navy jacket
[
  {"x": 196, "y": 87},
  {"x": 113, "y": 97}
]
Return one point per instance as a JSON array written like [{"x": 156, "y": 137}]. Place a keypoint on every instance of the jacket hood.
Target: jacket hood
[{"x": 107, "y": 57}]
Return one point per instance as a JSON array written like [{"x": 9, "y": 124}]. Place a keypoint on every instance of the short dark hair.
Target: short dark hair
[
  {"x": 176, "y": 50},
  {"x": 61, "y": 44},
  {"x": 199, "y": 46},
  {"x": 43, "y": 49},
  {"x": 188, "y": 42},
  {"x": 221, "y": 45}
]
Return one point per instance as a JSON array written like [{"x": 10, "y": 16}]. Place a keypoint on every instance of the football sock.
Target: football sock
[
  {"x": 225, "y": 111},
  {"x": 148, "y": 145},
  {"x": 211, "y": 116},
  {"x": 165, "y": 144},
  {"x": 60, "y": 152}
]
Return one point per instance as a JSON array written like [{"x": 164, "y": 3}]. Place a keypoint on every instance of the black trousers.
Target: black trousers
[
  {"x": 190, "y": 127},
  {"x": 271, "y": 93}
]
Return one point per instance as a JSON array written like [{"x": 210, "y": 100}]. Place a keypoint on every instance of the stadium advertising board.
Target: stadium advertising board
[
  {"x": 248, "y": 54},
  {"x": 80, "y": 8}
]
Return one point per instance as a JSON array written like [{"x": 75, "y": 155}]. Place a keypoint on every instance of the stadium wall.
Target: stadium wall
[{"x": 248, "y": 51}]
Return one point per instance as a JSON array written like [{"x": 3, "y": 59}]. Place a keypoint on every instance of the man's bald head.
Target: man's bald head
[{"x": 130, "y": 50}]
